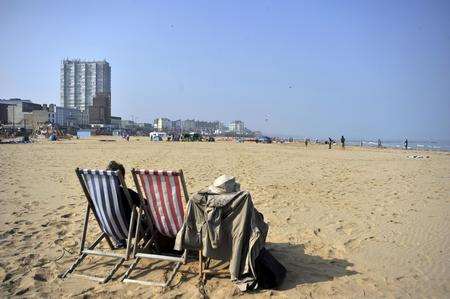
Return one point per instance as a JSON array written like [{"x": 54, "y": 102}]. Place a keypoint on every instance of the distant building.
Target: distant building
[
  {"x": 145, "y": 126},
  {"x": 82, "y": 80},
  {"x": 127, "y": 124},
  {"x": 237, "y": 127},
  {"x": 208, "y": 127},
  {"x": 176, "y": 126},
  {"x": 116, "y": 122},
  {"x": 201, "y": 127},
  {"x": 220, "y": 128},
  {"x": 100, "y": 111},
  {"x": 3, "y": 113},
  {"x": 189, "y": 125},
  {"x": 37, "y": 118},
  {"x": 68, "y": 117},
  {"x": 162, "y": 124},
  {"x": 16, "y": 109}
]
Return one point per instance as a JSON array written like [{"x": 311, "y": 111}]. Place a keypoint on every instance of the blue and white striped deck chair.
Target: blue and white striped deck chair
[{"x": 101, "y": 188}]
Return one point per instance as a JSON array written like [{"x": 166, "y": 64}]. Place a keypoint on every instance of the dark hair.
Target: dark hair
[{"x": 113, "y": 165}]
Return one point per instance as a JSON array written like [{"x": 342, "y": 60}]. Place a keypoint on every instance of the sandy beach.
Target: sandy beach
[{"x": 345, "y": 223}]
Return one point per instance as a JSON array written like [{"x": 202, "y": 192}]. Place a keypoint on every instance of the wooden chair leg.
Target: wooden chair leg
[
  {"x": 172, "y": 275},
  {"x": 133, "y": 265},
  {"x": 137, "y": 233},
  {"x": 82, "y": 256},
  {"x": 200, "y": 261},
  {"x": 207, "y": 263},
  {"x": 111, "y": 273},
  {"x": 74, "y": 265},
  {"x": 164, "y": 284}
]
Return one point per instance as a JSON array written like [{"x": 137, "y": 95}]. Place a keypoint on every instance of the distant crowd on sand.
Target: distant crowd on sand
[{"x": 330, "y": 142}]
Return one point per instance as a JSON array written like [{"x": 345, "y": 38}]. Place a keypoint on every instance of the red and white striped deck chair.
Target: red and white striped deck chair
[
  {"x": 101, "y": 188},
  {"x": 162, "y": 195}
]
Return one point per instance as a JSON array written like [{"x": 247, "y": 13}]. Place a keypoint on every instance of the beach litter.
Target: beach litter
[
  {"x": 106, "y": 140},
  {"x": 417, "y": 157}
]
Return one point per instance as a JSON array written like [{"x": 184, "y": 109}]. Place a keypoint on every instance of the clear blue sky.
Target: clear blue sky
[{"x": 319, "y": 68}]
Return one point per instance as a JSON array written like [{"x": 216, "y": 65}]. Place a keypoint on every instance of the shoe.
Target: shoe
[{"x": 121, "y": 244}]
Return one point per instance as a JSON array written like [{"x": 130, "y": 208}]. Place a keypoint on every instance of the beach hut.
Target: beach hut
[
  {"x": 158, "y": 136},
  {"x": 83, "y": 134}
]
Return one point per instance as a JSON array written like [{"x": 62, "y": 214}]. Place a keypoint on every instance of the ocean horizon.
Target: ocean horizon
[{"x": 413, "y": 144}]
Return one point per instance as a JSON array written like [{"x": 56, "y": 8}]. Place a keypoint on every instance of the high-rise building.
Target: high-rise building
[{"x": 82, "y": 80}]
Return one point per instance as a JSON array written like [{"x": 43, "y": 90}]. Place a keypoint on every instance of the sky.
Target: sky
[{"x": 364, "y": 69}]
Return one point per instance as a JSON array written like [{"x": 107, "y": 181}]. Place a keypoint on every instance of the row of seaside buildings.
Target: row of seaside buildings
[
  {"x": 18, "y": 113},
  {"x": 85, "y": 96},
  {"x": 236, "y": 127}
]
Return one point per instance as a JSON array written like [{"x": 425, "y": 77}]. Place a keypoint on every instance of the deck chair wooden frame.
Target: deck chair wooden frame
[
  {"x": 90, "y": 250},
  {"x": 221, "y": 269},
  {"x": 145, "y": 208}
]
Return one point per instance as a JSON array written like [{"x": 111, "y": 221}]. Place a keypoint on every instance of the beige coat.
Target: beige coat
[{"x": 225, "y": 227}]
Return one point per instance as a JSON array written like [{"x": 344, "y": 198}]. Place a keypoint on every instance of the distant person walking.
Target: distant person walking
[
  {"x": 379, "y": 143},
  {"x": 306, "y": 142},
  {"x": 406, "y": 143},
  {"x": 342, "y": 141},
  {"x": 330, "y": 141}
]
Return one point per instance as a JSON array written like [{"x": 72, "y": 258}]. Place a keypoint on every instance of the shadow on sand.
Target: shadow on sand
[{"x": 303, "y": 268}]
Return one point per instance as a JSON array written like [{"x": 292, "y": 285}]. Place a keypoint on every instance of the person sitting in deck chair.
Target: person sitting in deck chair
[{"x": 114, "y": 166}]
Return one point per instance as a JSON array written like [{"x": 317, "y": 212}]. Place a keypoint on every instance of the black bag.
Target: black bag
[{"x": 269, "y": 271}]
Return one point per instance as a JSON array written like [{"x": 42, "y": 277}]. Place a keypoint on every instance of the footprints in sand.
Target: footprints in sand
[
  {"x": 2, "y": 274},
  {"x": 353, "y": 243},
  {"x": 20, "y": 285},
  {"x": 345, "y": 228},
  {"x": 7, "y": 233},
  {"x": 66, "y": 215},
  {"x": 41, "y": 245},
  {"x": 348, "y": 236}
]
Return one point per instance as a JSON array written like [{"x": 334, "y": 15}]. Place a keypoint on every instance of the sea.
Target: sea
[
  {"x": 412, "y": 144},
  {"x": 433, "y": 145}
]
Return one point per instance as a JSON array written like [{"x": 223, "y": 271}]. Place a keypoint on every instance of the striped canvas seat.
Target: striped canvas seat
[
  {"x": 104, "y": 190},
  {"x": 161, "y": 195},
  {"x": 162, "y": 192},
  {"x": 110, "y": 202}
]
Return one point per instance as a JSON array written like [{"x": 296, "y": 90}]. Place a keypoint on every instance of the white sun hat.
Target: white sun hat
[{"x": 224, "y": 184}]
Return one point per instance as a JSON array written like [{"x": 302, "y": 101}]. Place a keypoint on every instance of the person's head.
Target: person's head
[{"x": 114, "y": 166}]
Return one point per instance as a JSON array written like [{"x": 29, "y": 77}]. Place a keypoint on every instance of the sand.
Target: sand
[{"x": 345, "y": 223}]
